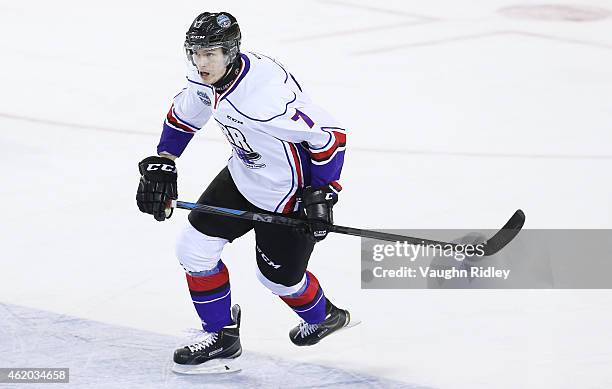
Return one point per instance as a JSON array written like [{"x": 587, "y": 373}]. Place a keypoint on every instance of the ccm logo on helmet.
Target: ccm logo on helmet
[{"x": 160, "y": 166}]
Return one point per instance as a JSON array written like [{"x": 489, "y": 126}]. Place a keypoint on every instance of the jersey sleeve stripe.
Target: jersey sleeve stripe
[
  {"x": 183, "y": 121},
  {"x": 176, "y": 127},
  {"x": 181, "y": 125},
  {"x": 335, "y": 186},
  {"x": 338, "y": 145},
  {"x": 330, "y": 141}
]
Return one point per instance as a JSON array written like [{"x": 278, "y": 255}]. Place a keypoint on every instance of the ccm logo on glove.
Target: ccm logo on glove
[
  {"x": 161, "y": 166},
  {"x": 157, "y": 186}
]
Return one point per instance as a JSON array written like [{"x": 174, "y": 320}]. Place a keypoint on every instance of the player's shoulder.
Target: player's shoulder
[
  {"x": 267, "y": 69},
  {"x": 265, "y": 88}
]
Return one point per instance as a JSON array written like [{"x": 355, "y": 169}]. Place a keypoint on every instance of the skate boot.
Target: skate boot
[
  {"x": 335, "y": 319},
  {"x": 211, "y": 352}
]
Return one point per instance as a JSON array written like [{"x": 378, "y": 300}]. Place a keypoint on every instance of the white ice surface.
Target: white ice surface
[
  {"x": 101, "y": 355},
  {"x": 457, "y": 115}
]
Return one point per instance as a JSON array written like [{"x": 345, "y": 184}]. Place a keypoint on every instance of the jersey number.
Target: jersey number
[{"x": 301, "y": 115}]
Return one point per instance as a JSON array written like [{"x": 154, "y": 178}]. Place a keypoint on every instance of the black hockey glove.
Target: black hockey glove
[
  {"x": 157, "y": 186},
  {"x": 317, "y": 204}
]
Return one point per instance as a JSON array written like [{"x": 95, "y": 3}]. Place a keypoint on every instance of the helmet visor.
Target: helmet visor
[{"x": 193, "y": 51}]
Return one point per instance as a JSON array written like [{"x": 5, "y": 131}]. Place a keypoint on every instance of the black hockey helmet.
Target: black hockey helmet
[{"x": 212, "y": 30}]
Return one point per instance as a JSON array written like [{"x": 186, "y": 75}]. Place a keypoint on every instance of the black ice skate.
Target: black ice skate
[
  {"x": 211, "y": 352},
  {"x": 335, "y": 319}
]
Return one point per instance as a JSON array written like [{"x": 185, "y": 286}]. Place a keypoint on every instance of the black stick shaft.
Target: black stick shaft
[{"x": 491, "y": 246}]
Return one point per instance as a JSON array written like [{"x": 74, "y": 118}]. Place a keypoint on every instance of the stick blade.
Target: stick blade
[{"x": 506, "y": 234}]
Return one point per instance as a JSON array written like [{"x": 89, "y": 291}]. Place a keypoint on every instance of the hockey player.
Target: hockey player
[{"x": 287, "y": 157}]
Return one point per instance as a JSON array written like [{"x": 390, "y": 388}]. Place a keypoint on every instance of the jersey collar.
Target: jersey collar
[{"x": 244, "y": 69}]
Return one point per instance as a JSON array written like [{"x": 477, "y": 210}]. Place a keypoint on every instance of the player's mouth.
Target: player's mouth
[{"x": 204, "y": 74}]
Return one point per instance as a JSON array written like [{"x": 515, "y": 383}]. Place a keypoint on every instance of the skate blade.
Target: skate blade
[
  {"x": 220, "y": 366},
  {"x": 353, "y": 321}
]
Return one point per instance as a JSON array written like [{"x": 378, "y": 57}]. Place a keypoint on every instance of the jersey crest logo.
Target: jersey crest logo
[
  {"x": 242, "y": 149},
  {"x": 204, "y": 97}
]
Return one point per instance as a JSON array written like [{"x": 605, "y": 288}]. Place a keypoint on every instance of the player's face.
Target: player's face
[{"x": 211, "y": 64}]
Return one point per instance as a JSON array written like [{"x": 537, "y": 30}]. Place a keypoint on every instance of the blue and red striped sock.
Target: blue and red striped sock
[
  {"x": 211, "y": 296},
  {"x": 310, "y": 302}
]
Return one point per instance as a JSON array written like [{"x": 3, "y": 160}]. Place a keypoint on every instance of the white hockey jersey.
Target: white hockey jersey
[{"x": 281, "y": 141}]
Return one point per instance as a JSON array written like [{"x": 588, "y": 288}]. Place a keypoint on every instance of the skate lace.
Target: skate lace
[
  {"x": 307, "y": 329},
  {"x": 208, "y": 339}
]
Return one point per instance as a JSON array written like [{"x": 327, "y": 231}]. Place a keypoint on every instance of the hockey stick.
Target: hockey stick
[{"x": 491, "y": 245}]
